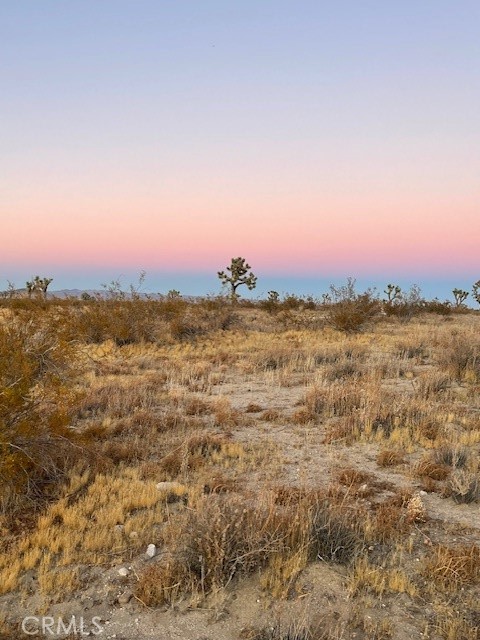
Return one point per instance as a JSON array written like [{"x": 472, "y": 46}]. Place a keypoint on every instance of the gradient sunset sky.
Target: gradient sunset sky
[{"x": 319, "y": 140}]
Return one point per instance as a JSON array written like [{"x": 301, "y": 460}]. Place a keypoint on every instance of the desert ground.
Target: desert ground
[{"x": 205, "y": 471}]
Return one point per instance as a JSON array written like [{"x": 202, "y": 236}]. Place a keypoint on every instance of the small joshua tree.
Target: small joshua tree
[
  {"x": 38, "y": 285},
  {"x": 45, "y": 284},
  {"x": 393, "y": 292},
  {"x": 41, "y": 284},
  {"x": 460, "y": 296},
  {"x": 476, "y": 291},
  {"x": 30, "y": 287},
  {"x": 238, "y": 275},
  {"x": 271, "y": 304}
]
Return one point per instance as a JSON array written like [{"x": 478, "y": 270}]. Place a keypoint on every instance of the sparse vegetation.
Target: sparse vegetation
[{"x": 264, "y": 449}]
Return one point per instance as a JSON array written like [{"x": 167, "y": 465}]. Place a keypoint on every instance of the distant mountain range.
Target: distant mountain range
[{"x": 100, "y": 293}]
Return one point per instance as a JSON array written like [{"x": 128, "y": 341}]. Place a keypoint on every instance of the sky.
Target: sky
[{"x": 318, "y": 140}]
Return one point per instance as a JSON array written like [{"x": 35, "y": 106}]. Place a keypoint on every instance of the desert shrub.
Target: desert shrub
[
  {"x": 279, "y": 358},
  {"x": 253, "y": 407},
  {"x": 272, "y": 303},
  {"x": 451, "y": 456},
  {"x": 123, "y": 321},
  {"x": 463, "y": 486},
  {"x": 213, "y": 303},
  {"x": 351, "y": 477},
  {"x": 450, "y": 568},
  {"x": 428, "y": 428},
  {"x": 196, "y": 321},
  {"x": 389, "y": 458},
  {"x": 36, "y": 406},
  {"x": 343, "y": 369},
  {"x": 291, "y": 301},
  {"x": 427, "y": 467},
  {"x": 389, "y": 521},
  {"x": 406, "y": 305},
  {"x": 222, "y": 537},
  {"x": 183, "y": 328},
  {"x": 342, "y": 398},
  {"x": 352, "y": 315},
  {"x": 346, "y": 429},
  {"x": 460, "y": 357},
  {"x": 193, "y": 453},
  {"x": 335, "y": 535},
  {"x": 411, "y": 349},
  {"x": 350, "y": 311},
  {"x": 441, "y": 308},
  {"x": 293, "y": 630},
  {"x": 271, "y": 415},
  {"x": 118, "y": 401},
  {"x": 25, "y": 304},
  {"x": 431, "y": 385}
]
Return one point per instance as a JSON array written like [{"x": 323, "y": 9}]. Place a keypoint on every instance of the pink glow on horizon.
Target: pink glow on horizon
[{"x": 292, "y": 237}]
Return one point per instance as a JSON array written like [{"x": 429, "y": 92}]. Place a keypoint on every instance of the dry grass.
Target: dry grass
[
  {"x": 389, "y": 458},
  {"x": 367, "y": 577},
  {"x": 357, "y": 425},
  {"x": 451, "y": 568}
]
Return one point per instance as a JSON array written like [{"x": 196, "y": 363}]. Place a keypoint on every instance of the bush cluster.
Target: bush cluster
[{"x": 36, "y": 402}]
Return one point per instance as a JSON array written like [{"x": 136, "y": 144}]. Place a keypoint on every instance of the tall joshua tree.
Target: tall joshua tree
[
  {"x": 238, "y": 274},
  {"x": 460, "y": 296}
]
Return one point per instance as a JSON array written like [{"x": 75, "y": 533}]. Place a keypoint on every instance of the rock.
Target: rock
[
  {"x": 87, "y": 603},
  {"x": 416, "y": 511},
  {"x": 119, "y": 528},
  {"x": 171, "y": 487},
  {"x": 123, "y": 571},
  {"x": 151, "y": 551},
  {"x": 125, "y": 597},
  {"x": 133, "y": 534}
]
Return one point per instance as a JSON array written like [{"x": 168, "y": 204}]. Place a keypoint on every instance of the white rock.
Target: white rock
[
  {"x": 123, "y": 571},
  {"x": 168, "y": 487},
  {"x": 151, "y": 551}
]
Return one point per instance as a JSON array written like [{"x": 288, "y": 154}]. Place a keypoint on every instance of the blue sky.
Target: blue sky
[{"x": 319, "y": 140}]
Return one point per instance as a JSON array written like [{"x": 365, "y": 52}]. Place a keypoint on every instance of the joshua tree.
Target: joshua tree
[
  {"x": 476, "y": 291},
  {"x": 44, "y": 283},
  {"x": 30, "y": 287},
  {"x": 39, "y": 285},
  {"x": 393, "y": 292},
  {"x": 271, "y": 304},
  {"x": 238, "y": 275},
  {"x": 460, "y": 296}
]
